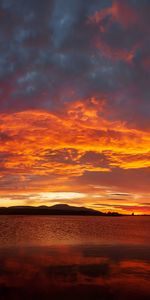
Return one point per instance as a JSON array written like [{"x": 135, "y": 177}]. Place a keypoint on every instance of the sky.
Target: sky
[{"x": 75, "y": 103}]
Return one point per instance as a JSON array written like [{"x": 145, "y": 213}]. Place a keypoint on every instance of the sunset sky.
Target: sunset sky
[{"x": 75, "y": 103}]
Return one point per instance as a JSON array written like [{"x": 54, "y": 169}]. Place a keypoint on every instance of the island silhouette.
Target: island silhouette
[{"x": 58, "y": 209}]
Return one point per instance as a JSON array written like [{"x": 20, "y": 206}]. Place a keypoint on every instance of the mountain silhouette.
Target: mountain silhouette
[{"x": 58, "y": 209}]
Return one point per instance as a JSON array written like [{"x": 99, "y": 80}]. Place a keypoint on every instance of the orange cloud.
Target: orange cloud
[
  {"x": 31, "y": 136},
  {"x": 126, "y": 16},
  {"x": 48, "y": 150}
]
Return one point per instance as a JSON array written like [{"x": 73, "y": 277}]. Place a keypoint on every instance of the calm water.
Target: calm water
[{"x": 58, "y": 257}]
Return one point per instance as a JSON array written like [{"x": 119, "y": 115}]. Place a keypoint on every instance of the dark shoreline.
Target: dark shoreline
[{"x": 57, "y": 210}]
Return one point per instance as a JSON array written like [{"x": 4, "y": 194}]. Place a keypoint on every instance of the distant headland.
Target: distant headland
[{"x": 58, "y": 209}]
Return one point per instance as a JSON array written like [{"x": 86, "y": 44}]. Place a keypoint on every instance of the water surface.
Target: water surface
[{"x": 62, "y": 257}]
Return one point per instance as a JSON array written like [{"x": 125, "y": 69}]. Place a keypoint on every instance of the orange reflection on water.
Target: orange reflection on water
[{"x": 75, "y": 271}]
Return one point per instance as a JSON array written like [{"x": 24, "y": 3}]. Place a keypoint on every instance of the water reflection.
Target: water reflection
[
  {"x": 74, "y": 258},
  {"x": 75, "y": 272},
  {"x": 50, "y": 230}
]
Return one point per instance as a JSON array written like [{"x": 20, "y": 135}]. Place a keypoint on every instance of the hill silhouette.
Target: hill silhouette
[{"x": 58, "y": 209}]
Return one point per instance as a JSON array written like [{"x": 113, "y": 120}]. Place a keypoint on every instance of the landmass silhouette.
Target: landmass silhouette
[{"x": 58, "y": 209}]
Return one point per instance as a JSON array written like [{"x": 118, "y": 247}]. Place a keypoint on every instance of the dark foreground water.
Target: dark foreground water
[{"x": 74, "y": 257}]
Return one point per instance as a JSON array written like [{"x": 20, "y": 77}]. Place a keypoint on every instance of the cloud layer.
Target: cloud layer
[{"x": 74, "y": 97}]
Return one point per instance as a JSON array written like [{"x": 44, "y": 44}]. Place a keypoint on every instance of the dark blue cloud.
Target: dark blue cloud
[{"x": 48, "y": 55}]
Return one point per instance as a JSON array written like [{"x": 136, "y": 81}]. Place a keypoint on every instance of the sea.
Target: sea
[{"x": 74, "y": 257}]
